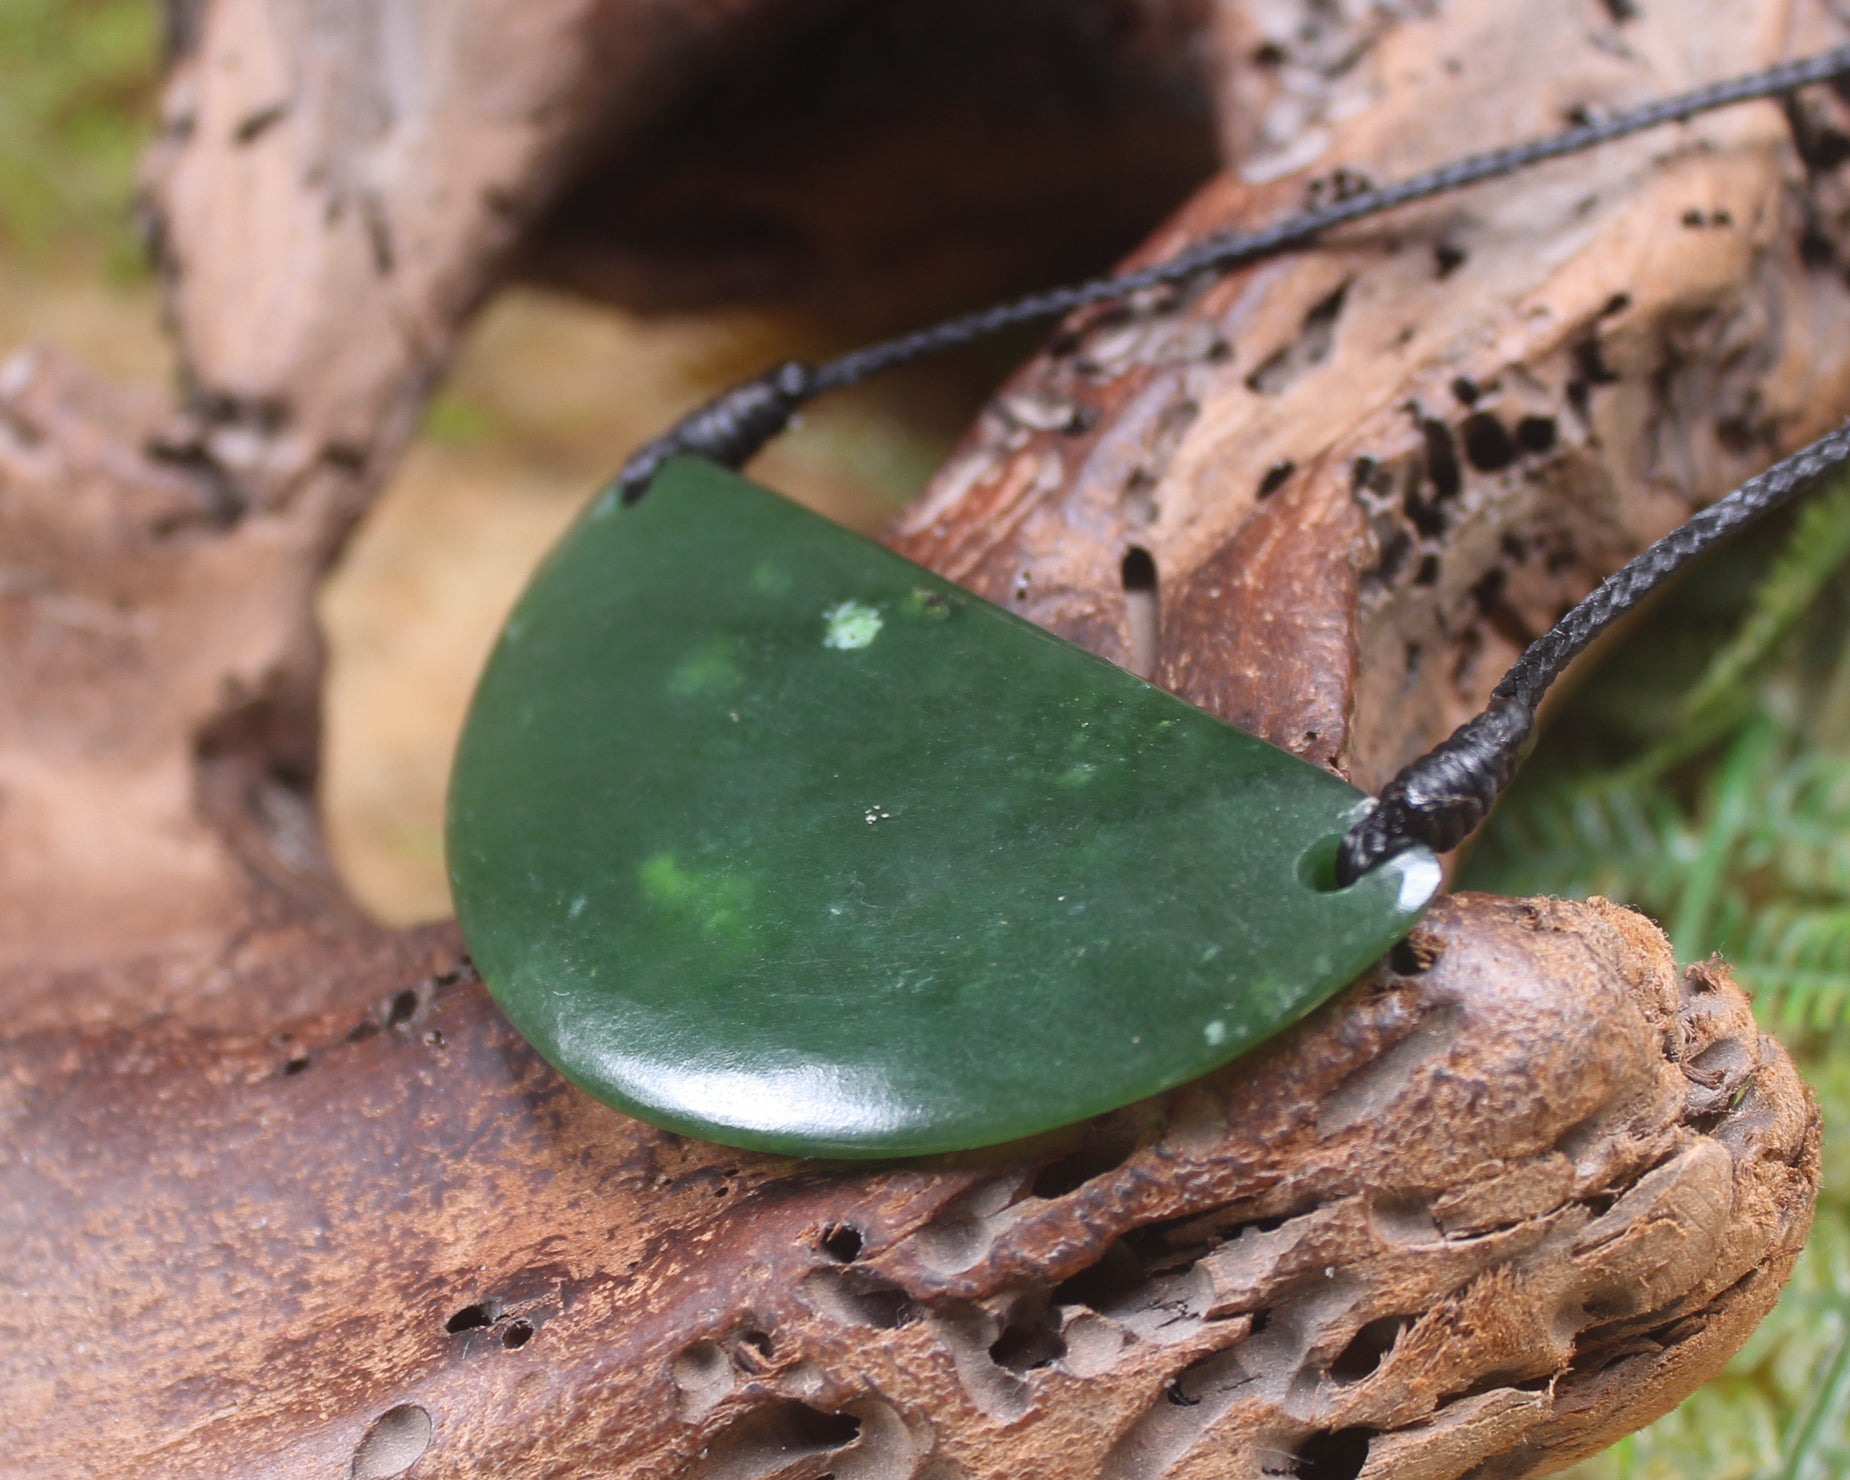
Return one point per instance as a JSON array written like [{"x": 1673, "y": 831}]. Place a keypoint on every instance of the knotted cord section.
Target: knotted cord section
[
  {"x": 1437, "y": 800},
  {"x": 727, "y": 430}
]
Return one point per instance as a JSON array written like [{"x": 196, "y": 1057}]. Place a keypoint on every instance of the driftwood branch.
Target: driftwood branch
[
  {"x": 1501, "y": 1203},
  {"x": 280, "y": 1193}
]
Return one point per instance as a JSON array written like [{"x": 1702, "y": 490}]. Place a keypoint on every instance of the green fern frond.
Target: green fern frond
[
  {"x": 1580, "y": 836},
  {"x": 1736, "y": 797},
  {"x": 1814, "y": 554},
  {"x": 1795, "y": 959},
  {"x": 1803, "y": 834},
  {"x": 1734, "y": 827}
]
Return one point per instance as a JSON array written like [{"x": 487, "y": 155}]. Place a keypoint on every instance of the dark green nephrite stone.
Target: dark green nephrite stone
[{"x": 765, "y": 834}]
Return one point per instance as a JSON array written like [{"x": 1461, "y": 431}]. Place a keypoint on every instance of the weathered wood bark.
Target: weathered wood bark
[
  {"x": 281, "y": 1194},
  {"x": 334, "y": 189},
  {"x": 1367, "y": 476},
  {"x": 1499, "y": 1204}
]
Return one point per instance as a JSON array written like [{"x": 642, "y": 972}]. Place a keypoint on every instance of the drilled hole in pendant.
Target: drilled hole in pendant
[{"x": 1317, "y": 865}]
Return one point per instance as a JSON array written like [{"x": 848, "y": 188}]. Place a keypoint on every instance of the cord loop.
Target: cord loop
[
  {"x": 1437, "y": 800},
  {"x": 728, "y": 430}
]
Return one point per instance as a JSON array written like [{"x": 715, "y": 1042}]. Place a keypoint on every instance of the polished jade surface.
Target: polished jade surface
[{"x": 764, "y": 834}]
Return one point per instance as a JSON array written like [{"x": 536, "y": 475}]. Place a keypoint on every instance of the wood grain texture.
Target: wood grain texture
[
  {"x": 280, "y": 1194},
  {"x": 1366, "y": 475},
  {"x": 1492, "y": 1208}
]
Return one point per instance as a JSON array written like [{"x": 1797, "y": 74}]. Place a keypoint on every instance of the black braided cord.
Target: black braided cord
[
  {"x": 1437, "y": 800},
  {"x": 727, "y": 430},
  {"x": 734, "y": 425}
]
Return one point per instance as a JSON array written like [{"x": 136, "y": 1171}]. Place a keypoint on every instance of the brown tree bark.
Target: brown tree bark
[{"x": 280, "y": 1193}]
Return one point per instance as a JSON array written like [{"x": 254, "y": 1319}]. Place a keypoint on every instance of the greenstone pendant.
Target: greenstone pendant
[{"x": 767, "y": 835}]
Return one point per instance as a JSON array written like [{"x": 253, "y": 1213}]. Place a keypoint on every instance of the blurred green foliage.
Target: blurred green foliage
[
  {"x": 1701, "y": 773},
  {"x": 77, "y": 83}
]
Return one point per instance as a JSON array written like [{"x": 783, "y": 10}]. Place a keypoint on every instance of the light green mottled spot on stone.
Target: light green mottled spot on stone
[
  {"x": 711, "y": 668},
  {"x": 850, "y": 625},
  {"x": 663, "y": 881},
  {"x": 1214, "y": 1033},
  {"x": 770, "y": 579},
  {"x": 713, "y": 901},
  {"x": 1079, "y": 775}
]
